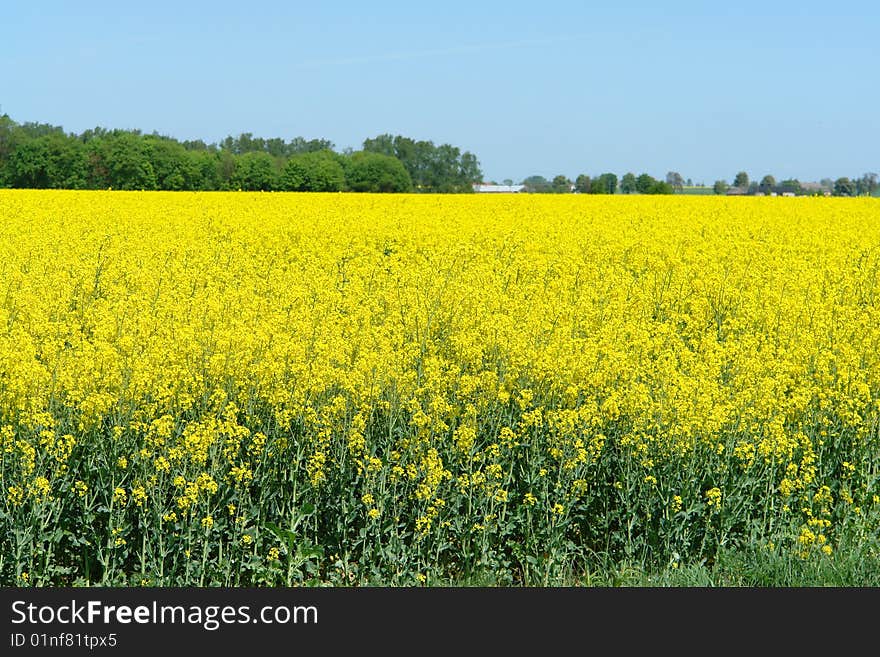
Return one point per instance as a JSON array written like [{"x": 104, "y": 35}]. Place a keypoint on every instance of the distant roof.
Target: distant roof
[{"x": 498, "y": 188}]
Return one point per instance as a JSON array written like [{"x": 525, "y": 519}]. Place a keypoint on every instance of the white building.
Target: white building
[{"x": 498, "y": 189}]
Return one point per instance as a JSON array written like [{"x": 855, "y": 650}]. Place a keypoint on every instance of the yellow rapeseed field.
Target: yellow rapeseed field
[{"x": 249, "y": 389}]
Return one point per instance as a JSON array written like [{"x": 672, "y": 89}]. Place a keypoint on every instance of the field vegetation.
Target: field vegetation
[{"x": 251, "y": 389}]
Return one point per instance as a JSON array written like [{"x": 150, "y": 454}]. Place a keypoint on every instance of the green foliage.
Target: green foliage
[
  {"x": 675, "y": 181},
  {"x": 319, "y": 171},
  {"x": 432, "y": 168},
  {"x": 537, "y": 185},
  {"x": 51, "y": 161},
  {"x": 790, "y": 186},
  {"x": 741, "y": 179},
  {"x": 844, "y": 187},
  {"x": 644, "y": 183},
  {"x": 629, "y": 184},
  {"x": 582, "y": 184},
  {"x": 255, "y": 171},
  {"x": 121, "y": 160},
  {"x": 661, "y": 187},
  {"x": 561, "y": 184},
  {"x": 720, "y": 187},
  {"x": 36, "y": 155},
  {"x": 604, "y": 184},
  {"x": 375, "y": 172}
]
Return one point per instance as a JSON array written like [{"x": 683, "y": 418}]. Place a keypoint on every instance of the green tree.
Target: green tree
[
  {"x": 867, "y": 184},
  {"x": 299, "y": 145},
  {"x": 537, "y": 185},
  {"x": 316, "y": 171},
  {"x": 173, "y": 167},
  {"x": 120, "y": 160},
  {"x": 674, "y": 180},
  {"x": 661, "y": 187},
  {"x": 844, "y": 187},
  {"x": 720, "y": 187},
  {"x": 790, "y": 186},
  {"x": 51, "y": 161},
  {"x": 206, "y": 164},
  {"x": 768, "y": 184},
  {"x": 582, "y": 184},
  {"x": 605, "y": 184},
  {"x": 741, "y": 180},
  {"x": 644, "y": 183},
  {"x": 255, "y": 171},
  {"x": 433, "y": 169},
  {"x": 628, "y": 183},
  {"x": 561, "y": 184},
  {"x": 376, "y": 172}
]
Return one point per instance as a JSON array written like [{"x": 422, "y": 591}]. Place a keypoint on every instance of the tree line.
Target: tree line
[
  {"x": 605, "y": 183},
  {"x": 864, "y": 185},
  {"x": 43, "y": 156}
]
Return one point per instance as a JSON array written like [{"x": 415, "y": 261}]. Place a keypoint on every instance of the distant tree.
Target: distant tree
[
  {"x": 582, "y": 184},
  {"x": 689, "y": 183},
  {"x": 844, "y": 187},
  {"x": 318, "y": 171},
  {"x": 432, "y": 168},
  {"x": 120, "y": 160},
  {"x": 537, "y": 185},
  {"x": 867, "y": 184},
  {"x": 255, "y": 171},
  {"x": 299, "y": 145},
  {"x": 827, "y": 183},
  {"x": 51, "y": 161},
  {"x": 644, "y": 183},
  {"x": 173, "y": 167},
  {"x": 604, "y": 184},
  {"x": 674, "y": 179},
  {"x": 720, "y": 187},
  {"x": 661, "y": 187},
  {"x": 561, "y": 184},
  {"x": 206, "y": 163},
  {"x": 741, "y": 179},
  {"x": 376, "y": 172},
  {"x": 507, "y": 181},
  {"x": 9, "y": 138},
  {"x": 790, "y": 186},
  {"x": 628, "y": 183},
  {"x": 768, "y": 184}
]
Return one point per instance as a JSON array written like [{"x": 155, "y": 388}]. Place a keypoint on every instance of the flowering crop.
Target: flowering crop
[{"x": 251, "y": 389}]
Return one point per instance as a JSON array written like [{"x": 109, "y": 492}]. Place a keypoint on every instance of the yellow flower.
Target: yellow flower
[
  {"x": 15, "y": 495},
  {"x": 713, "y": 497},
  {"x": 139, "y": 495},
  {"x": 119, "y": 495}
]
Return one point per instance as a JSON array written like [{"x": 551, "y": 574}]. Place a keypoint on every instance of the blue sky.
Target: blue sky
[{"x": 705, "y": 89}]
